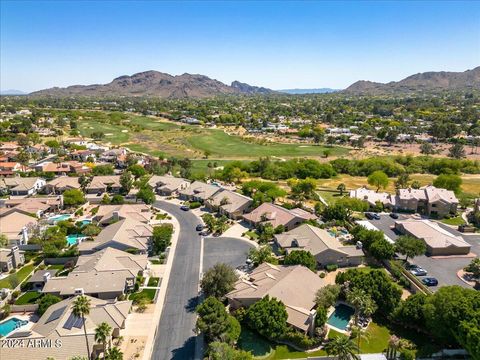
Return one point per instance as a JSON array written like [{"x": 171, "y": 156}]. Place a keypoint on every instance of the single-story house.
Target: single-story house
[
  {"x": 61, "y": 184},
  {"x": 438, "y": 240},
  {"x": 11, "y": 259},
  {"x": 102, "y": 184},
  {"x": 327, "y": 249},
  {"x": 277, "y": 215},
  {"x": 108, "y": 214},
  {"x": 168, "y": 185},
  {"x": 33, "y": 205},
  {"x": 229, "y": 203},
  {"x": 126, "y": 234},
  {"x": 295, "y": 286},
  {"x": 59, "y": 334},
  {"x": 16, "y": 226},
  {"x": 198, "y": 191},
  {"x": 105, "y": 274},
  {"x": 40, "y": 277},
  {"x": 21, "y": 186}
]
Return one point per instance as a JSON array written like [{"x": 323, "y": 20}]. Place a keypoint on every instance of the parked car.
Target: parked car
[
  {"x": 417, "y": 270},
  {"x": 204, "y": 233},
  {"x": 430, "y": 281},
  {"x": 372, "y": 216},
  {"x": 199, "y": 227},
  {"x": 184, "y": 208},
  {"x": 394, "y": 215}
]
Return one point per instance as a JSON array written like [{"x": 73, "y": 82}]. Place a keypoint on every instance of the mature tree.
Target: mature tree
[
  {"x": 426, "y": 148},
  {"x": 378, "y": 179},
  {"x": 136, "y": 170},
  {"x": 474, "y": 268},
  {"x": 213, "y": 319},
  {"x": 266, "y": 232},
  {"x": 268, "y": 317},
  {"x": 457, "y": 151},
  {"x": 301, "y": 257},
  {"x": 218, "y": 280},
  {"x": 410, "y": 246},
  {"x": 126, "y": 180},
  {"x": 103, "y": 170},
  {"x": 410, "y": 312},
  {"x": 402, "y": 181},
  {"x": 146, "y": 194},
  {"x": 302, "y": 189},
  {"x": 222, "y": 351},
  {"x": 262, "y": 254},
  {"x": 117, "y": 199},
  {"x": 81, "y": 308},
  {"x": 162, "y": 237},
  {"x": 383, "y": 291},
  {"x": 336, "y": 211},
  {"x": 327, "y": 296},
  {"x": 209, "y": 221},
  {"x": 382, "y": 250},
  {"x": 341, "y": 188},
  {"x": 73, "y": 197},
  {"x": 114, "y": 354},
  {"x": 449, "y": 182},
  {"x": 342, "y": 348},
  {"x": 362, "y": 302},
  {"x": 103, "y": 332},
  {"x": 45, "y": 302}
]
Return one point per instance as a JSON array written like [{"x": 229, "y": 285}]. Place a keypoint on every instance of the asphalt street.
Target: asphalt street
[
  {"x": 175, "y": 338},
  {"x": 227, "y": 250}
]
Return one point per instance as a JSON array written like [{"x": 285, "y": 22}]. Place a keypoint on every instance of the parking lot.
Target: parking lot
[{"x": 443, "y": 269}]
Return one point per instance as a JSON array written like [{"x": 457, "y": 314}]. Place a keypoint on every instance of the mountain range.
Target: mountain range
[
  {"x": 308, "y": 91},
  {"x": 427, "y": 81},
  {"x": 157, "y": 84}
]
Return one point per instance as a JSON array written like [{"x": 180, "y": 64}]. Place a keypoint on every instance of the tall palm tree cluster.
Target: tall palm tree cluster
[{"x": 103, "y": 332}]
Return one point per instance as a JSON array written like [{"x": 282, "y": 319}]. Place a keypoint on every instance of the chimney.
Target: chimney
[
  {"x": 311, "y": 322},
  {"x": 46, "y": 277},
  {"x": 79, "y": 291},
  {"x": 115, "y": 216},
  {"x": 24, "y": 239}
]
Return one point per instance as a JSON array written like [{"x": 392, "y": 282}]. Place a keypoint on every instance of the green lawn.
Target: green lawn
[
  {"x": 153, "y": 281},
  {"x": 455, "y": 221},
  {"x": 20, "y": 274},
  {"x": 55, "y": 267},
  {"x": 150, "y": 293},
  {"x": 375, "y": 339},
  {"x": 330, "y": 196},
  {"x": 30, "y": 297},
  {"x": 224, "y": 145}
]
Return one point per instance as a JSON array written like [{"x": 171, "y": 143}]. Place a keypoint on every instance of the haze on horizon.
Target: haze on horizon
[{"x": 279, "y": 45}]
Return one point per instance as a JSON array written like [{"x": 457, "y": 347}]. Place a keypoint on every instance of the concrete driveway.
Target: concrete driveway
[
  {"x": 231, "y": 251},
  {"x": 443, "y": 269},
  {"x": 175, "y": 338}
]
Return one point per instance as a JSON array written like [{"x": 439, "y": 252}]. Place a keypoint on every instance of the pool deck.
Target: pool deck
[{"x": 32, "y": 318}]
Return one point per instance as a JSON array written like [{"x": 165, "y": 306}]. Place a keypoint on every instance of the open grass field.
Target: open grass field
[
  {"x": 471, "y": 183},
  {"x": 156, "y": 136}
]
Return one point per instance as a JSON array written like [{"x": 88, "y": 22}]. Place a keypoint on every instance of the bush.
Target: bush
[
  {"x": 194, "y": 205},
  {"x": 322, "y": 275},
  {"x": 331, "y": 267},
  {"x": 299, "y": 339}
]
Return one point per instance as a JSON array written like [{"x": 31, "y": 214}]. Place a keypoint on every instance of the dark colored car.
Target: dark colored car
[
  {"x": 394, "y": 215},
  {"x": 430, "y": 281},
  {"x": 376, "y": 216},
  {"x": 204, "y": 233},
  {"x": 199, "y": 227},
  {"x": 184, "y": 208},
  {"x": 369, "y": 215}
]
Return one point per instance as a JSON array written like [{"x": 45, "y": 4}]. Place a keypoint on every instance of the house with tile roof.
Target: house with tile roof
[
  {"x": 108, "y": 214},
  {"x": 126, "y": 234},
  {"x": 229, "y": 203},
  {"x": 278, "y": 215},
  {"x": 61, "y": 184},
  {"x": 326, "y": 249},
  {"x": 59, "y": 334},
  {"x": 295, "y": 286},
  {"x": 105, "y": 274},
  {"x": 168, "y": 185},
  {"x": 21, "y": 186}
]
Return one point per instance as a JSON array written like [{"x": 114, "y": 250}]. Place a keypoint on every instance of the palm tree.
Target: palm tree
[
  {"x": 102, "y": 335},
  {"x": 81, "y": 307},
  {"x": 114, "y": 354},
  {"x": 362, "y": 302},
  {"x": 356, "y": 332},
  {"x": 343, "y": 348}
]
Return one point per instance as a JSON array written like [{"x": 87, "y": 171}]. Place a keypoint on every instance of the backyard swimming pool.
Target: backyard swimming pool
[
  {"x": 73, "y": 239},
  {"x": 341, "y": 316},
  {"x": 8, "y": 326},
  {"x": 59, "y": 217}
]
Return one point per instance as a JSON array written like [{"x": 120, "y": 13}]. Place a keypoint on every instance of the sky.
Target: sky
[{"x": 280, "y": 45}]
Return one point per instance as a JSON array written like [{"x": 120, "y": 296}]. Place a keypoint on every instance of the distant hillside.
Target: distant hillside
[
  {"x": 307, "y": 91},
  {"x": 428, "y": 81},
  {"x": 156, "y": 84},
  {"x": 12, "y": 92}
]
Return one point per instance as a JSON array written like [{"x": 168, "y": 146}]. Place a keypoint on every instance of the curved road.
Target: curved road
[{"x": 175, "y": 338}]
